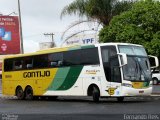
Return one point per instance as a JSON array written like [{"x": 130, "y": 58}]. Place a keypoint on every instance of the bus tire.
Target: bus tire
[
  {"x": 29, "y": 93},
  {"x": 95, "y": 94},
  {"x": 20, "y": 93},
  {"x": 120, "y": 99}
]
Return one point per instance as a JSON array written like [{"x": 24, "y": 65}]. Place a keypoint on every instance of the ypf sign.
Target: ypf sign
[
  {"x": 9, "y": 35},
  {"x": 88, "y": 41}
]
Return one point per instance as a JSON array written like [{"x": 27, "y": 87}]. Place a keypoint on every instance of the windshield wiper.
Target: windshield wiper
[
  {"x": 142, "y": 72},
  {"x": 137, "y": 69}
]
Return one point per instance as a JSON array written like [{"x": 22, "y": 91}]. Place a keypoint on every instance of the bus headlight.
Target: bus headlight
[{"x": 126, "y": 85}]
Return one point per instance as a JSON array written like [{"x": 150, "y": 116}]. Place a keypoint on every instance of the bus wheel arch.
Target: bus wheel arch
[
  {"x": 94, "y": 91},
  {"x": 28, "y": 92},
  {"x": 19, "y": 93}
]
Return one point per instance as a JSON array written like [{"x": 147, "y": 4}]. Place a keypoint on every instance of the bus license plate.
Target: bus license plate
[{"x": 141, "y": 91}]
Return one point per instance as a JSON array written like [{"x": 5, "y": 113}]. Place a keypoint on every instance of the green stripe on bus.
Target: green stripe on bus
[
  {"x": 87, "y": 46},
  {"x": 71, "y": 78},
  {"x": 59, "y": 78},
  {"x": 75, "y": 48},
  {"x": 81, "y": 47},
  {"x": 65, "y": 78}
]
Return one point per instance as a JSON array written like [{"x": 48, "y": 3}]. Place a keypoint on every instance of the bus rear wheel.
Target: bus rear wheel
[
  {"x": 29, "y": 93},
  {"x": 20, "y": 93},
  {"x": 95, "y": 94}
]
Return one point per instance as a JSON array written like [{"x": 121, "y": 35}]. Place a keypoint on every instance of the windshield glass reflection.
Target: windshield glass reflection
[{"x": 137, "y": 69}]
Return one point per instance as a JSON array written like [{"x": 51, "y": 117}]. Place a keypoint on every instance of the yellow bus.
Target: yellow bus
[
  {"x": 1, "y": 59},
  {"x": 102, "y": 70}
]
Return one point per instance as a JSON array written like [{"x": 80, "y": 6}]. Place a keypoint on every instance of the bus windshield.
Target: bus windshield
[
  {"x": 132, "y": 50},
  {"x": 137, "y": 68}
]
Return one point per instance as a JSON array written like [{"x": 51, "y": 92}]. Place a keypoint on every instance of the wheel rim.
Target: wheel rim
[
  {"x": 29, "y": 94},
  {"x": 20, "y": 93}
]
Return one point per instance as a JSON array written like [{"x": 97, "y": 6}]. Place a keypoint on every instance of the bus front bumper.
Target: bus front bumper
[{"x": 127, "y": 91}]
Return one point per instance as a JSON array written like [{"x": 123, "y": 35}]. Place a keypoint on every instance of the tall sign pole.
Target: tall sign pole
[{"x": 20, "y": 26}]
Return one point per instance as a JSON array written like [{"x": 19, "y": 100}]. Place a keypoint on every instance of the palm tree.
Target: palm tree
[{"x": 101, "y": 10}]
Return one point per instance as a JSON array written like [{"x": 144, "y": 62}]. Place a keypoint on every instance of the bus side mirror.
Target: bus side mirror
[
  {"x": 154, "y": 62},
  {"x": 123, "y": 58}
]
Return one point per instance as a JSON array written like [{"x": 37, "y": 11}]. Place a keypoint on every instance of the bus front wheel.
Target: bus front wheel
[
  {"x": 20, "y": 93},
  {"x": 95, "y": 94},
  {"x": 29, "y": 93},
  {"x": 155, "y": 81}
]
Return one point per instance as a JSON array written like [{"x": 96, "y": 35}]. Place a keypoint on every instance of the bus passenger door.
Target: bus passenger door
[
  {"x": 115, "y": 89},
  {"x": 111, "y": 70}
]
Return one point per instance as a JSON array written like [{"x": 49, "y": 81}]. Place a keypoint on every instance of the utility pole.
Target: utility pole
[
  {"x": 52, "y": 36},
  {"x": 20, "y": 26}
]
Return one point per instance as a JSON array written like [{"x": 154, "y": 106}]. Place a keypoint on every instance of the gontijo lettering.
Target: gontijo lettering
[{"x": 36, "y": 74}]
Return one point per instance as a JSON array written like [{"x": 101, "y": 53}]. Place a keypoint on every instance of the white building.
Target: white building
[
  {"x": 84, "y": 39},
  {"x": 45, "y": 45}
]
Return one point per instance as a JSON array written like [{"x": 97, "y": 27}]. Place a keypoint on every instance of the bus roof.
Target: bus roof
[
  {"x": 67, "y": 48},
  {"x": 111, "y": 43},
  {"x": 51, "y": 50}
]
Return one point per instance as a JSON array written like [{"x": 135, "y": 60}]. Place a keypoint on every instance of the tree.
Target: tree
[
  {"x": 101, "y": 10},
  {"x": 140, "y": 25}
]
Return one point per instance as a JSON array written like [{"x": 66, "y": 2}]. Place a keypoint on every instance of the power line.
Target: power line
[{"x": 50, "y": 34}]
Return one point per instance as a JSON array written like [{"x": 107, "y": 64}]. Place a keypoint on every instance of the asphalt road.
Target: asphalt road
[
  {"x": 67, "y": 108},
  {"x": 81, "y": 108}
]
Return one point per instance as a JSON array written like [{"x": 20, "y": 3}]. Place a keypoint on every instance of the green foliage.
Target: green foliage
[
  {"x": 101, "y": 10},
  {"x": 140, "y": 25}
]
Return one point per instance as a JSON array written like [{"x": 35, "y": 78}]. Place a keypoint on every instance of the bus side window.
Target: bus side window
[
  {"x": 53, "y": 64},
  {"x": 17, "y": 64},
  {"x": 56, "y": 64},
  {"x": 8, "y": 65},
  {"x": 40, "y": 61},
  {"x": 55, "y": 59},
  {"x": 60, "y": 63},
  {"x": 29, "y": 66},
  {"x": 28, "y": 63},
  {"x": 111, "y": 63}
]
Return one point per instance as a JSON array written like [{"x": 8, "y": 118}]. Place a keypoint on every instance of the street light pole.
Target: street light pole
[{"x": 20, "y": 26}]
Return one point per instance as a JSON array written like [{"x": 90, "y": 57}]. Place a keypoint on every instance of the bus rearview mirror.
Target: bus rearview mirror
[
  {"x": 123, "y": 59},
  {"x": 154, "y": 62}
]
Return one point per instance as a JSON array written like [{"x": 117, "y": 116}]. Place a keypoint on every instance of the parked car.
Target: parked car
[{"x": 156, "y": 77}]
